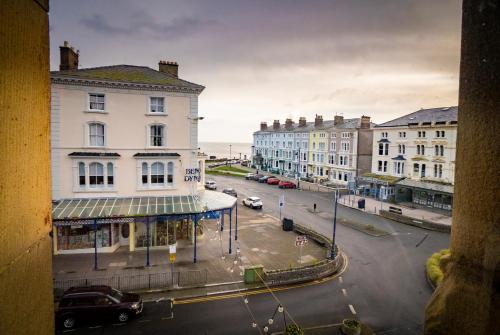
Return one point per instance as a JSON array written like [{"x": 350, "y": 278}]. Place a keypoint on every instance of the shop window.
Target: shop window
[{"x": 82, "y": 237}]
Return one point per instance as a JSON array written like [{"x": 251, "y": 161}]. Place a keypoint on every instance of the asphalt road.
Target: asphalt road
[{"x": 384, "y": 285}]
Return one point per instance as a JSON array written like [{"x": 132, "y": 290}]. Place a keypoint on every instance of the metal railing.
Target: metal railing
[{"x": 140, "y": 282}]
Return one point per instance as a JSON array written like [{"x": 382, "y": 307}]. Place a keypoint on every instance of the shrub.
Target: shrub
[{"x": 434, "y": 271}]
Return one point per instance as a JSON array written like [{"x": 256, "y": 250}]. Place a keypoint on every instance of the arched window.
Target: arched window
[
  {"x": 157, "y": 173},
  {"x": 96, "y": 174},
  {"x": 81, "y": 174},
  {"x": 157, "y": 135},
  {"x": 96, "y": 134},
  {"x": 170, "y": 172},
  {"x": 110, "y": 174},
  {"x": 144, "y": 173}
]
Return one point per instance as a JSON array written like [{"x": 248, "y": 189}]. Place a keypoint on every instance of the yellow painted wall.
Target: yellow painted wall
[{"x": 25, "y": 222}]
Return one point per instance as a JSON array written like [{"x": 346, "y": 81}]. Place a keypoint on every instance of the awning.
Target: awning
[
  {"x": 426, "y": 185},
  {"x": 115, "y": 208}
]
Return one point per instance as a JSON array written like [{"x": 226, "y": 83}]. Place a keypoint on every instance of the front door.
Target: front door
[{"x": 124, "y": 234}]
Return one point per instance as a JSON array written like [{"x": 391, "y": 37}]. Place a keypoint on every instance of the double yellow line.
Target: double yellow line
[{"x": 264, "y": 290}]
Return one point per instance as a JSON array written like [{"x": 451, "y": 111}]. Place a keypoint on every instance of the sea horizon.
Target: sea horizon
[{"x": 221, "y": 149}]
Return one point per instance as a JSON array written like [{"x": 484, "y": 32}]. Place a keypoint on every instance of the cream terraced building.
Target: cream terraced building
[
  {"x": 124, "y": 132},
  {"x": 414, "y": 158}
]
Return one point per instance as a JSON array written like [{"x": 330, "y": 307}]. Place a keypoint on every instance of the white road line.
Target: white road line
[
  {"x": 168, "y": 317},
  {"x": 353, "y": 311},
  {"x": 344, "y": 292},
  {"x": 341, "y": 280}
]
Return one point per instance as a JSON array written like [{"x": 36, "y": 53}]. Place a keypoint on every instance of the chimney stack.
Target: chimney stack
[
  {"x": 276, "y": 125},
  {"x": 69, "y": 58},
  {"x": 365, "y": 122},
  {"x": 338, "y": 119},
  {"x": 171, "y": 68},
  {"x": 302, "y": 121},
  {"x": 288, "y": 124},
  {"x": 318, "y": 121},
  {"x": 263, "y": 126}
]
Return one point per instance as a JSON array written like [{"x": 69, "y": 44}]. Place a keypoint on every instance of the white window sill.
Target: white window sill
[
  {"x": 156, "y": 114},
  {"x": 96, "y": 111},
  {"x": 156, "y": 148},
  {"x": 94, "y": 189},
  {"x": 156, "y": 188}
]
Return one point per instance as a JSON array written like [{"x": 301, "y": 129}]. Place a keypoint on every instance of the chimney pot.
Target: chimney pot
[
  {"x": 288, "y": 124},
  {"x": 171, "y": 68},
  {"x": 263, "y": 126}
]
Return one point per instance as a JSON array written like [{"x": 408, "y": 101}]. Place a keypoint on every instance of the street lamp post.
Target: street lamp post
[
  {"x": 297, "y": 167},
  {"x": 229, "y": 154},
  {"x": 332, "y": 254}
]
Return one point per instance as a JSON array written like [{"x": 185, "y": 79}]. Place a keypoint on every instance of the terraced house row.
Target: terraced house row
[
  {"x": 410, "y": 159},
  {"x": 327, "y": 150}
]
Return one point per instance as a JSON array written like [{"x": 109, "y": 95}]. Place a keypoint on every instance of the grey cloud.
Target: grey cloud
[{"x": 144, "y": 25}]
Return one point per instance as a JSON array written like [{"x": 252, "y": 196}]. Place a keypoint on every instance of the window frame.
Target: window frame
[
  {"x": 150, "y": 105},
  {"x": 89, "y": 102}
]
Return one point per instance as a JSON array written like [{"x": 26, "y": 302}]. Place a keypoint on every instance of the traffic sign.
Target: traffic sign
[
  {"x": 282, "y": 201},
  {"x": 301, "y": 240}
]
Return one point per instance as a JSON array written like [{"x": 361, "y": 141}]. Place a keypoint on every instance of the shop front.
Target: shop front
[
  {"x": 426, "y": 194},
  {"x": 103, "y": 225}
]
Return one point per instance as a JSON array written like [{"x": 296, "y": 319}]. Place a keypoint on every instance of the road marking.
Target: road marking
[
  {"x": 168, "y": 317},
  {"x": 119, "y": 324},
  {"x": 69, "y": 330},
  {"x": 341, "y": 280},
  {"x": 238, "y": 293},
  {"x": 353, "y": 311},
  {"x": 344, "y": 292},
  {"x": 95, "y": 327},
  {"x": 144, "y": 321}
]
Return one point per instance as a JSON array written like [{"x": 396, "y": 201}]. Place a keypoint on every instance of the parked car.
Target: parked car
[
  {"x": 249, "y": 176},
  {"x": 257, "y": 176},
  {"x": 286, "y": 184},
  {"x": 307, "y": 179},
  {"x": 96, "y": 303},
  {"x": 210, "y": 185},
  {"x": 230, "y": 191},
  {"x": 273, "y": 181},
  {"x": 265, "y": 178},
  {"x": 252, "y": 202}
]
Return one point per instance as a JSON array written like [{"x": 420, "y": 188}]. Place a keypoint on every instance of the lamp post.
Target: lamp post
[
  {"x": 297, "y": 168},
  {"x": 332, "y": 254},
  {"x": 229, "y": 154}
]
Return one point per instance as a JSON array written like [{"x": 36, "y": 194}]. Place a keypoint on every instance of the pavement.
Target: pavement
[
  {"x": 260, "y": 241},
  {"x": 374, "y": 206}
]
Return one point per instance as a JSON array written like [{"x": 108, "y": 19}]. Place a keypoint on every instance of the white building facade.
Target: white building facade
[
  {"x": 123, "y": 135},
  {"x": 418, "y": 152}
]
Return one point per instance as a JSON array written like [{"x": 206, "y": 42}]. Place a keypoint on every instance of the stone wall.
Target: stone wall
[
  {"x": 414, "y": 222},
  {"x": 25, "y": 201}
]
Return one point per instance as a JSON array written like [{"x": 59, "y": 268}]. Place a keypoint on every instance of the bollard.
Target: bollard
[{"x": 315, "y": 207}]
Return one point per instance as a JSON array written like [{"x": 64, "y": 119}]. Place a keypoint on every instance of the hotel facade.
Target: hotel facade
[
  {"x": 414, "y": 159},
  {"x": 126, "y": 170}
]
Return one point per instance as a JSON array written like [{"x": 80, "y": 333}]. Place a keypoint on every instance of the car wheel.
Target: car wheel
[
  {"x": 69, "y": 322},
  {"x": 251, "y": 206},
  {"x": 123, "y": 316}
]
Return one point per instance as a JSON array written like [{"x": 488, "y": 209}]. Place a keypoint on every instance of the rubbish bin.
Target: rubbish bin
[
  {"x": 361, "y": 203},
  {"x": 287, "y": 224}
]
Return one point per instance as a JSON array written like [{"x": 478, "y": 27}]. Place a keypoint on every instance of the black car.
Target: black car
[
  {"x": 230, "y": 191},
  {"x": 81, "y": 305},
  {"x": 265, "y": 178}
]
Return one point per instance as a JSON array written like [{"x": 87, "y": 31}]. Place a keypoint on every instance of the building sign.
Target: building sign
[{"x": 192, "y": 175}]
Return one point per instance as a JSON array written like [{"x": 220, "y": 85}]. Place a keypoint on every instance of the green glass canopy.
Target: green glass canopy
[{"x": 102, "y": 208}]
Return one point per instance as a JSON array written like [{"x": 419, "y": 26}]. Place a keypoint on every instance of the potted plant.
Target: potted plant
[
  {"x": 293, "y": 329},
  {"x": 351, "y": 327}
]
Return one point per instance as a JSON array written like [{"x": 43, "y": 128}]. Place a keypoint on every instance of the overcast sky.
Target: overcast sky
[{"x": 266, "y": 60}]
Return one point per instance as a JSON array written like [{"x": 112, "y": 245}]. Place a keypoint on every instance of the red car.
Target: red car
[
  {"x": 286, "y": 184},
  {"x": 273, "y": 181}
]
